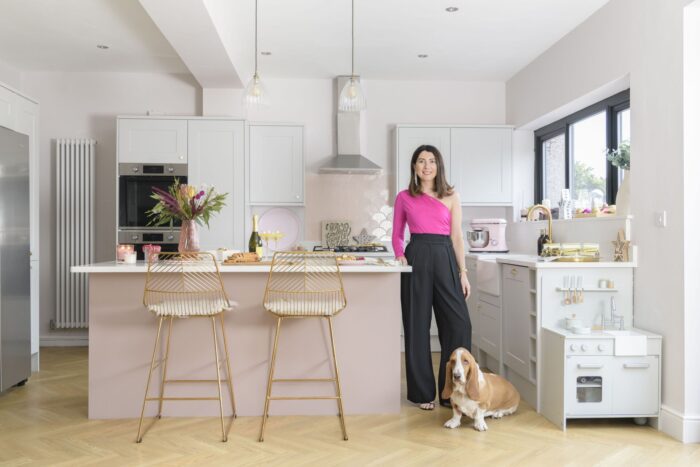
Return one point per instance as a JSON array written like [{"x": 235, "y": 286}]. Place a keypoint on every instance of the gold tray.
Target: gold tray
[{"x": 577, "y": 259}]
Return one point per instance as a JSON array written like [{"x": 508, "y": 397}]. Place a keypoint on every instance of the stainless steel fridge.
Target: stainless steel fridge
[{"x": 15, "y": 350}]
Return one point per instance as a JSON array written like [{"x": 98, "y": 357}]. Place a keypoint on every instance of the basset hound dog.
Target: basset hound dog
[{"x": 474, "y": 393}]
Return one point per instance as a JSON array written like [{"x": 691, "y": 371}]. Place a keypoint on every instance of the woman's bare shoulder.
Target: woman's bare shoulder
[{"x": 452, "y": 199}]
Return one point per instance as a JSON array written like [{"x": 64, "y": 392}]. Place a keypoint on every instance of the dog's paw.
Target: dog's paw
[
  {"x": 480, "y": 425},
  {"x": 452, "y": 423},
  {"x": 497, "y": 415}
]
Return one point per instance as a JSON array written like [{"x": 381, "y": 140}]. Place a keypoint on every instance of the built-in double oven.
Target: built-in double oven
[{"x": 136, "y": 183}]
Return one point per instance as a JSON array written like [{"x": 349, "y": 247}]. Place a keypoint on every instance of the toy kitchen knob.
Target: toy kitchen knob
[
  {"x": 573, "y": 347},
  {"x": 602, "y": 348},
  {"x": 584, "y": 348}
]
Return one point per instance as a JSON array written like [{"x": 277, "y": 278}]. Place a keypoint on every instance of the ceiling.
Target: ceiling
[
  {"x": 62, "y": 35},
  {"x": 484, "y": 40}
]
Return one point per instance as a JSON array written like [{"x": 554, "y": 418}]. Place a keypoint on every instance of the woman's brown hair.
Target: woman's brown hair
[{"x": 441, "y": 186}]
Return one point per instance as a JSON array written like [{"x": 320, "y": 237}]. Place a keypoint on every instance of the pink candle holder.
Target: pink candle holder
[
  {"x": 122, "y": 251},
  {"x": 151, "y": 252}
]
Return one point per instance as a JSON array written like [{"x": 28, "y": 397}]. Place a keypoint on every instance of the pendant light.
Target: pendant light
[
  {"x": 352, "y": 98},
  {"x": 255, "y": 94}
]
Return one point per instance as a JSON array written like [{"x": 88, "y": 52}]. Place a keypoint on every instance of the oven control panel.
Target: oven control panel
[{"x": 590, "y": 346}]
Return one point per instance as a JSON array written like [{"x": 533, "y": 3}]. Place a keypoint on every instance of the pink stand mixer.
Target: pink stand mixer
[{"x": 487, "y": 235}]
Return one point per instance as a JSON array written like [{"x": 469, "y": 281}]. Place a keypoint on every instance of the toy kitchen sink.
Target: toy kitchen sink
[{"x": 604, "y": 374}]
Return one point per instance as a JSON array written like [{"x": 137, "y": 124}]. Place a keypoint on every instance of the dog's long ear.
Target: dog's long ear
[
  {"x": 447, "y": 389},
  {"x": 473, "y": 380}
]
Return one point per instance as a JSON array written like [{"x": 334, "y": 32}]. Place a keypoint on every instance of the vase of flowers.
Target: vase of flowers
[
  {"x": 620, "y": 157},
  {"x": 190, "y": 204}
]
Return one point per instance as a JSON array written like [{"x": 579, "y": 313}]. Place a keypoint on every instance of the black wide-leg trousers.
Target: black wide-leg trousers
[{"x": 434, "y": 284}]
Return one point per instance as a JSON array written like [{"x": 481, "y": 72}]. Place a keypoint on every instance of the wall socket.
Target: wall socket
[{"x": 660, "y": 218}]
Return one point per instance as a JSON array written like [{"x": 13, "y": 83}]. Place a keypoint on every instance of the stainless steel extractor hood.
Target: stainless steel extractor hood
[{"x": 351, "y": 142}]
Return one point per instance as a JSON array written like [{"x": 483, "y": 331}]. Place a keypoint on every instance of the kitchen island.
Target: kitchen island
[{"x": 367, "y": 336}]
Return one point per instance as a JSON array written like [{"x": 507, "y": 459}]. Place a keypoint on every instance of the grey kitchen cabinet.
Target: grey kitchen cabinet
[
  {"x": 478, "y": 159},
  {"x": 142, "y": 140},
  {"x": 481, "y": 165},
  {"x": 517, "y": 330},
  {"x": 276, "y": 168},
  {"x": 472, "y": 304},
  {"x": 216, "y": 153}
]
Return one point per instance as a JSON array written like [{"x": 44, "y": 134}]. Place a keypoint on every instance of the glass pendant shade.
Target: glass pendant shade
[
  {"x": 255, "y": 94},
  {"x": 352, "y": 97}
]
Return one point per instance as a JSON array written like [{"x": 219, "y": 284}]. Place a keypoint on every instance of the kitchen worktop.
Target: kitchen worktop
[
  {"x": 536, "y": 262},
  {"x": 599, "y": 334},
  {"x": 140, "y": 266}
]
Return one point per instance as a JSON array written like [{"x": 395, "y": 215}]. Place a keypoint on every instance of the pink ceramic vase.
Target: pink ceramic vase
[{"x": 189, "y": 237}]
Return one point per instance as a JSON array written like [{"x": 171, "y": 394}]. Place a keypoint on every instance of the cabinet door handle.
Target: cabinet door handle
[
  {"x": 639, "y": 366},
  {"x": 590, "y": 366},
  {"x": 514, "y": 272}
]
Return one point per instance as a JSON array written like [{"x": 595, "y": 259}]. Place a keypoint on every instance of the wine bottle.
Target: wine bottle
[{"x": 255, "y": 242}]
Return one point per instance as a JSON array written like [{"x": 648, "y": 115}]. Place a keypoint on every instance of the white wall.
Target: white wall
[
  {"x": 86, "y": 105},
  {"x": 311, "y": 102},
  {"x": 642, "y": 39},
  {"x": 691, "y": 102}
]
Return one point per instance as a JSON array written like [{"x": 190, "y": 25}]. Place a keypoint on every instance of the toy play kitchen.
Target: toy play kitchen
[
  {"x": 487, "y": 236},
  {"x": 594, "y": 364}
]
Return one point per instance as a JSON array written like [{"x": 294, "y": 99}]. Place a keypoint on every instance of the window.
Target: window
[{"x": 570, "y": 153}]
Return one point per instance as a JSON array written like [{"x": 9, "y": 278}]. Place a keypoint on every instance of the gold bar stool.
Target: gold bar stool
[
  {"x": 304, "y": 285},
  {"x": 186, "y": 285}
]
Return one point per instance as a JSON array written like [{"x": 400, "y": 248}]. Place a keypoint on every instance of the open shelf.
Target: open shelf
[{"x": 594, "y": 289}]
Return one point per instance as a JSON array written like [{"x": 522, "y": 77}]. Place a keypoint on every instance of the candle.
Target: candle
[
  {"x": 122, "y": 250},
  {"x": 130, "y": 257},
  {"x": 150, "y": 252}
]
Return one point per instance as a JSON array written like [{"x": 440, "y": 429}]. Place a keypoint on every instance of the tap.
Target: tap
[
  {"x": 614, "y": 317},
  {"x": 542, "y": 208}
]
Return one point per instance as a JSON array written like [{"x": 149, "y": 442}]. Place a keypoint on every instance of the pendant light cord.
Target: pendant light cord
[
  {"x": 256, "y": 37},
  {"x": 352, "y": 35}
]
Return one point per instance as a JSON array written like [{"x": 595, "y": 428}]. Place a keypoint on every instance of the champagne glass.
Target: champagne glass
[
  {"x": 277, "y": 236},
  {"x": 266, "y": 236}
]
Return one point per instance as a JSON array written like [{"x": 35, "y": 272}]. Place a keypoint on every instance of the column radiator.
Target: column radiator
[{"x": 75, "y": 229}]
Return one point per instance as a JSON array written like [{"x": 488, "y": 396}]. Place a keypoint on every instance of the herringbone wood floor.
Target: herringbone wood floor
[{"x": 45, "y": 423}]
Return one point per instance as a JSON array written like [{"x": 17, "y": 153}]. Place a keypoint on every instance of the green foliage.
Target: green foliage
[
  {"x": 620, "y": 157},
  {"x": 585, "y": 179},
  {"x": 185, "y": 202}
]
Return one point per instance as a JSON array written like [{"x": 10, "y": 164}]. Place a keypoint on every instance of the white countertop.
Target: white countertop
[
  {"x": 598, "y": 334},
  {"x": 535, "y": 262},
  {"x": 140, "y": 267}
]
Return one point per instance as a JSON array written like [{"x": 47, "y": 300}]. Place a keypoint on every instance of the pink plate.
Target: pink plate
[{"x": 284, "y": 220}]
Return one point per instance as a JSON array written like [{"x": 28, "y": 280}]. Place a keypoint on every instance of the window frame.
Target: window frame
[{"x": 611, "y": 106}]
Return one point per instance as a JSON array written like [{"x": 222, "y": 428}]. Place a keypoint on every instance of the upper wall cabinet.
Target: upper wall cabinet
[
  {"x": 276, "y": 164},
  {"x": 481, "y": 165},
  {"x": 8, "y": 111},
  {"x": 149, "y": 140},
  {"x": 216, "y": 157},
  {"x": 477, "y": 160},
  {"x": 410, "y": 138}
]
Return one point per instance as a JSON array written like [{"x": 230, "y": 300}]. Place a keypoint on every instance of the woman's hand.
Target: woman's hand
[
  {"x": 466, "y": 287},
  {"x": 402, "y": 260}
]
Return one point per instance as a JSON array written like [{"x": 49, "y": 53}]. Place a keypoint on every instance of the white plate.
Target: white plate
[{"x": 284, "y": 220}]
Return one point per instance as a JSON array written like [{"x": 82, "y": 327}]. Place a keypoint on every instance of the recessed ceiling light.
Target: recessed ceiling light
[
  {"x": 102, "y": 46},
  {"x": 265, "y": 53},
  {"x": 422, "y": 55},
  {"x": 451, "y": 9}
]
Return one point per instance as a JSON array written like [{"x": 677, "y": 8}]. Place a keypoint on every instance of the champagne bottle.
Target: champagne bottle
[{"x": 255, "y": 242}]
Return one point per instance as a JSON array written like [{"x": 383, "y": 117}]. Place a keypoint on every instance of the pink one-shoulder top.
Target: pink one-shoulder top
[{"x": 424, "y": 215}]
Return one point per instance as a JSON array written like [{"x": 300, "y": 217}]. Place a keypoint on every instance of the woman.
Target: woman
[{"x": 433, "y": 212}]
